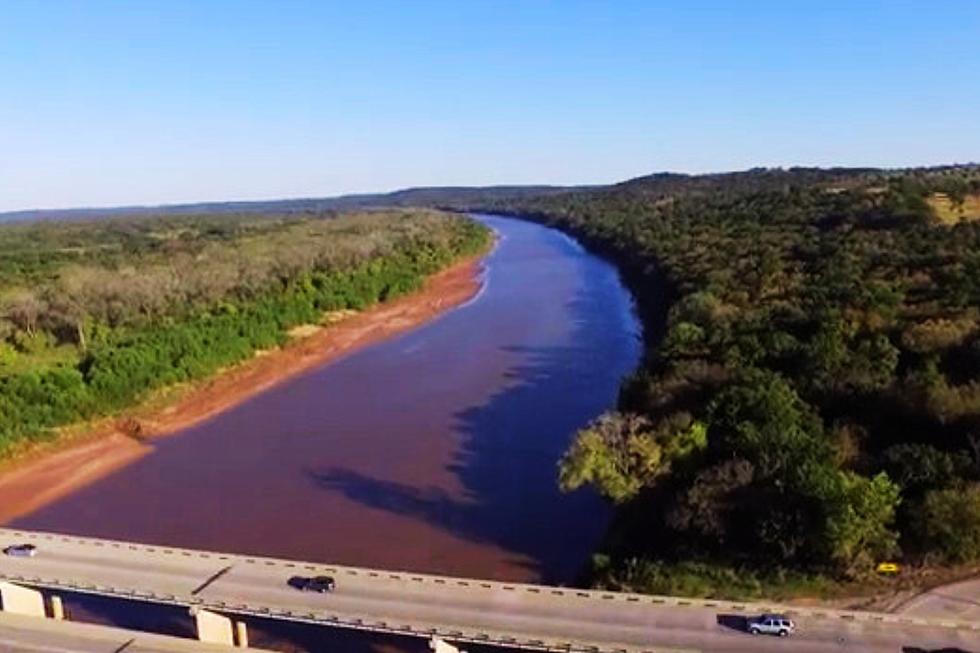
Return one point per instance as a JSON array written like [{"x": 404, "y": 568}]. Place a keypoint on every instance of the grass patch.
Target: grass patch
[
  {"x": 708, "y": 580},
  {"x": 13, "y": 361},
  {"x": 949, "y": 212}
]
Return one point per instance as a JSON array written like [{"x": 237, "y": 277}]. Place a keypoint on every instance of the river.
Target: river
[{"x": 435, "y": 451}]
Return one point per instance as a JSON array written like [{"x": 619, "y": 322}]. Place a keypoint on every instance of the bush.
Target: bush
[
  {"x": 950, "y": 523},
  {"x": 125, "y": 362},
  {"x": 33, "y": 401},
  {"x": 708, "y": 580}
]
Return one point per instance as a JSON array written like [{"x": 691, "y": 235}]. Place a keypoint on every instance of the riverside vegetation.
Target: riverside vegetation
[
  {"x": 809, "y": 401},
  {"x": 94, "y": 314}
]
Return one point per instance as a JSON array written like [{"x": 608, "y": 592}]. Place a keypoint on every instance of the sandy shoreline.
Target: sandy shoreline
[{"x": 36, "y": 480}]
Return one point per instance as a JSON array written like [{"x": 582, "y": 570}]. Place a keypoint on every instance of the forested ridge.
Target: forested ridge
[
  {"x": 94, "y": 314},
  {"x": 809, "y": 400}
]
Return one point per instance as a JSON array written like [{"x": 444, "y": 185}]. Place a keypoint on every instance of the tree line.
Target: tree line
[
  {"x": 95, "y": 314},
  {"x": 809, "y": 400}
]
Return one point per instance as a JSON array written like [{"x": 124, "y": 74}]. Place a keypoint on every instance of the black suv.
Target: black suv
[{"x": 318, "y": 584}]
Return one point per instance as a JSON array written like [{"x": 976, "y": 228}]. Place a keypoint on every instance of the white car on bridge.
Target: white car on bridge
[{"x": 771, "y": 624}]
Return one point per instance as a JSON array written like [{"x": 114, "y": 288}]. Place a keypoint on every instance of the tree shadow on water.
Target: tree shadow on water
[{"x": 509, "y": 446}]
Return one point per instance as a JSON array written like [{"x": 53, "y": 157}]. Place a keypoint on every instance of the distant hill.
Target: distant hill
[
  {"x": 651, "y": 187},
  {"x": 424, "y": 196}
]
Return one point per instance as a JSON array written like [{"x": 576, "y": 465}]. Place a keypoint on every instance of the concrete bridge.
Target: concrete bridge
[{"x": 223, "y": 589}]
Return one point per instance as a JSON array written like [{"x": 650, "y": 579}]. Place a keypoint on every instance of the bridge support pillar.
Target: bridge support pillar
[
  {"x": 57, "y": 608},
  {"x": 241, "y": 634},
  {"x": 212, "y": 627},
  {"x": 442, "y": 646},
  {"x": 21, "y": 600}
]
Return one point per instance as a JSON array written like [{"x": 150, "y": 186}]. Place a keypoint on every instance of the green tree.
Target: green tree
[
  {"x": 861, "y": 512},
  {"x": 620, "y": 454},
  {"x": 706, "y": 507},
  {"x": 950, "y": 523},
  {"x": 919, "y": 467},
  {"x": 760, "y": 418}
]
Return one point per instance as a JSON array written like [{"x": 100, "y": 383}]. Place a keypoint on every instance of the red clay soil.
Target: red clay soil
[{"x": 36, "y": 480}]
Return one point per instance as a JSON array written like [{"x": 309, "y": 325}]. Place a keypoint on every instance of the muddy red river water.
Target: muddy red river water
[{"x": 435, "y": 451}]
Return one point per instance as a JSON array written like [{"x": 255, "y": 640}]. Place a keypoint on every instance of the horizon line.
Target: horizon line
[{"x": 402, "y": 189}]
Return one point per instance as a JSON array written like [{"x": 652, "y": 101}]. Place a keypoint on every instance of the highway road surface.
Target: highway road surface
[
  {"x": 459, "y": 610},
  {"x": 960, "y": 601},
  {"x": 19, "y": 634}
]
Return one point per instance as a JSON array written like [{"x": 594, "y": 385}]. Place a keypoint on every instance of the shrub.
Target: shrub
[{"x": 950, "y": 523}]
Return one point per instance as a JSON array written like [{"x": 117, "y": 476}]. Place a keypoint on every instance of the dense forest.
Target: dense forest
[
  {"x": 96, "y": 313},
  {"x": 809, "y": 401}
]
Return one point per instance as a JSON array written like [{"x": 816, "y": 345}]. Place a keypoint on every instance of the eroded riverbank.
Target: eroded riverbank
[
  {"x": 434, "y": 451},
  {"x": 54, "y": 471}
]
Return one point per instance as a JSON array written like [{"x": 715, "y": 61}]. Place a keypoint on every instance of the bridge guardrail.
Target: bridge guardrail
[
  {"x": 563, "y": 593},
  {"x": 340, "y": 620}
]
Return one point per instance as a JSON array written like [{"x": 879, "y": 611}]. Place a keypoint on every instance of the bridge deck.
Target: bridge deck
[{"x": 462, "y": 610}]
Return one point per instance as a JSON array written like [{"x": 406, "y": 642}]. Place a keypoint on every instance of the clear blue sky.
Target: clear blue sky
[{"x": 106, "y": 103}]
